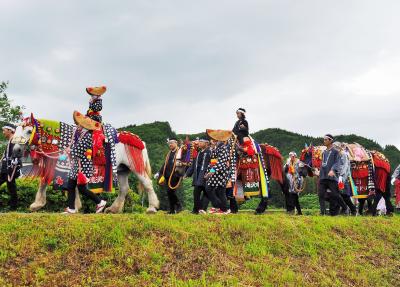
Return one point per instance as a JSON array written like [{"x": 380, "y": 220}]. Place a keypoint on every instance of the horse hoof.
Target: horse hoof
[
  {"x": 112, "y": 210},
  {"x": 108, "y": 210},
  {"x": 151, "y": 210},
  {"x": 34, "y": 208}
]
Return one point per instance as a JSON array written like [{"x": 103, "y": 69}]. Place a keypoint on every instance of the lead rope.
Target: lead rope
[{"x": 172, "y": 172}]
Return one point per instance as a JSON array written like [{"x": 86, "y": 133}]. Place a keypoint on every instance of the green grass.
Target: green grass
[{"x": 187, "y": 250}]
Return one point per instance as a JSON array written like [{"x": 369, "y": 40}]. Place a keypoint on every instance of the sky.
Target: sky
[{"x": 311, "y": 67}]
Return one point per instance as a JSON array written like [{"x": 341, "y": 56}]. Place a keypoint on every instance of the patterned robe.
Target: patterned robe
[
  {"x": 82, "y": 142},
  {"x": 220, "y": 177}
]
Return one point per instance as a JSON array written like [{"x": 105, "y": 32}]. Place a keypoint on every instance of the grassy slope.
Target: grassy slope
[{"x": 187, "y": 250}]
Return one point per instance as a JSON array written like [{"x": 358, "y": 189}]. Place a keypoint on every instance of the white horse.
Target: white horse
[{"x": 22, "y": 138}]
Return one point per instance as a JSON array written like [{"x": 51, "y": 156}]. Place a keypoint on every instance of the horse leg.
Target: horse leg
[
  {"x": 154, "y": 203},
  {"x": 78, "y": 202},
  {"x": 119, "y": 202},
  {"x": 40, "y": 198},
  {"x": 262, "y": 206}
]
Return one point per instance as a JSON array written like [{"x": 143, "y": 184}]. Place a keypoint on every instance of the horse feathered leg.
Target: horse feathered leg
[
  {"x": 152, "y": 196},
  {"x": 40, "y": 198},
  {"x": 78, "y": 202},
  {"x": 119, "y": 202},
  {"x": 147, "y": 184}
]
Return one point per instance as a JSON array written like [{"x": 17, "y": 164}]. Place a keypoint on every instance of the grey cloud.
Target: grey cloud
[{"x": 194, "y": 62}]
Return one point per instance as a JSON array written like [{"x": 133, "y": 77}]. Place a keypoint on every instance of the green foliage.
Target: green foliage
[
  {"x": 8, "y": 112},
  {"x": 155, "y": 136},
  {"x": 188, "y": 250},
  {"x": 56, "y": 200},
  {"x": 309, "y": 201}
]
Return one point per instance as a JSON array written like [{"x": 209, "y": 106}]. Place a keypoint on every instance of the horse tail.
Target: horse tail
[
  {"x": 147, "y": 166},
  {"x": 146, "y": 161},
  {"x": 274, "y": 162}
]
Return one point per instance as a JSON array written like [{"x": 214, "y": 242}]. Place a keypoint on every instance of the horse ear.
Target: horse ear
[{"x": 32, "y": 118}]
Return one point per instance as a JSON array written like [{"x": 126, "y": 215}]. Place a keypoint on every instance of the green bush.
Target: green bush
[
  {"x": 309, "y": 201},
  {"x": 56, "y": 200}
]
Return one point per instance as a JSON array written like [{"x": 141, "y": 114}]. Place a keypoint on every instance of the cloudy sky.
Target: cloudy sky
[{"x": 306, "y": 66}]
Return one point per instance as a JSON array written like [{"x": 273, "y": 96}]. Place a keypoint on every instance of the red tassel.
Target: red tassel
[
  {"x": 82, "y": 179},
  {"x": 130, "y": 139},
  {"x": 44, "y": 168},
  {"x": 274, "y": 158},
  {"x": 380, "y": 178},
  {"x": 135, "y": 158}
]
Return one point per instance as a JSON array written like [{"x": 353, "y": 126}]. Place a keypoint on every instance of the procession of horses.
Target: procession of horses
[{"x": 227, "y": 167}]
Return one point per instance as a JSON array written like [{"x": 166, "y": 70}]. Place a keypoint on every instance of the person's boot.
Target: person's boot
[
  {"x": 344, "y": 211},
  {"x": 178, "y": 208}
]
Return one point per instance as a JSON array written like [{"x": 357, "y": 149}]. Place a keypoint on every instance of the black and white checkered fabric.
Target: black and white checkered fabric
[
  {"x": 111, "y": 137},
  {"x": 220, "y": 177}
]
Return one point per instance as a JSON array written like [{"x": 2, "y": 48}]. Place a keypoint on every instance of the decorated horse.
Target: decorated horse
[
  {"x": 252, "y": 165},
  {"x": 370, "y": 170},
  {"x": 114, "y": 153}
]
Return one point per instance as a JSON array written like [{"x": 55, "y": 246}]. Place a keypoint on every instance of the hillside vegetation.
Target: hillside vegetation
[{"x": 188, "y": 250}]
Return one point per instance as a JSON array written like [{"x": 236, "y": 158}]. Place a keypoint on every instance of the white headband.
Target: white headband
[
  {"x": 241, "y": 111},
  {"x": 9, "y": 128}
]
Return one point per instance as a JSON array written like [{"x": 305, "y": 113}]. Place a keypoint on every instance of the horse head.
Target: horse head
[
  {"x": 24, "y": 136},
  {"x": 305, "y": 167}
]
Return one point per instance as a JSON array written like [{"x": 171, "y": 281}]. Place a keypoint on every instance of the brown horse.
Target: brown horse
[{"x": 370, "y": 171}]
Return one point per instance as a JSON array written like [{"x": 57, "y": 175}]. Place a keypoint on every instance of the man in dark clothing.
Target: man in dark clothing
[
  {"x": 344, "y": 175},
  {"x": 198, "y": 170},
  {"x": 169, "y": 177},
  {"x": 241, "y": 128},
  {"x": 10, "y": 166},
  {"x": 328, "y": 179}
]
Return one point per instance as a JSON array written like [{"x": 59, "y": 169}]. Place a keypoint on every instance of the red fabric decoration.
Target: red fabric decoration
[
  {"x": 341, "y": 185},
  {"x": 381, "y": 162},
  {"x": 250, "y": 175},
  {"x": 81, "y": 179},
  {"x": 135, "y": 157},
  {"x": 303, "y": 155},
  {"x": 272, "y": 151},
  {"x": 98, "y": 140},
  {"x": 359, "y": 173},
  {"x": 249, "y": 163},
  {"x": 43, "y": 167},
  {"x": 249, "y": 148},
  {"x": 362, "y": 185},
  {"x": 99, "y": 158},
  {"x": 274, "y": 158},
  {"x": 381, "y": 178},
  {"x": 131, "y": 139},
  {"x": 316, "y": 163},
  {"x": 397, "y": 191}
]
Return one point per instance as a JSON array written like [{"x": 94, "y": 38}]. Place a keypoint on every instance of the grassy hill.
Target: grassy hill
[{"x": 188, "y": 250}]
